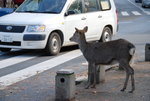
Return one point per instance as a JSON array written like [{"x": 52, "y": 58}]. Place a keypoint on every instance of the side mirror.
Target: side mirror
[{"x": 69, "y": 13}]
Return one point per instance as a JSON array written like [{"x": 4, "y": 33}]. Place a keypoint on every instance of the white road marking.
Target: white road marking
[
  {"x": 136, "y": 6},
  {"x": 136, "y": 13},
  {"x": 139, "y": 7},
  {"x": 38, "y": 68},
  {"x": 147, "y": 12},
  {"x": 15, "y": 60},
  {"x": 124, "y": 13}
]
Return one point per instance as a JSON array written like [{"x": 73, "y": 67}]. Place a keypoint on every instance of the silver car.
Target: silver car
[{"x": 145, "y": 3}]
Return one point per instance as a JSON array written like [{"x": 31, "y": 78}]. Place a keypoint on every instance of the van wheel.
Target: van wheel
[
  {"x": 54, "y": 44},
  {"x": 106, "y": 35},
  {"x": 5, "y": 49}
]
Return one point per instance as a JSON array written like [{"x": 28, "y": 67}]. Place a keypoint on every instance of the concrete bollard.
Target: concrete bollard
[
  {"x": 100, "y": 74},
  {"x": 65, "y": 85},
  {"x": 147, "y": 52}
]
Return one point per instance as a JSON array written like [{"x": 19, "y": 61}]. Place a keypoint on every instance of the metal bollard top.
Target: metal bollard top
[{"x": 65, "y": 71}]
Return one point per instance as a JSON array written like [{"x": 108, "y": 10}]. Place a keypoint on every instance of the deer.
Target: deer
[{"x": 105, "y": 53}]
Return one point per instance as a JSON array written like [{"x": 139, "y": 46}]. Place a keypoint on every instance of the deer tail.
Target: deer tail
[{"x": 131, "y": 49}]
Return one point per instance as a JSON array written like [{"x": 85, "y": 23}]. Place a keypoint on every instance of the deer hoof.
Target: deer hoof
[
  {"x": 93, "y": 86},
  {"x": 122, "y": 90},
  {"x": 87, "y": 87},
  {"x": 131, "y": 91}
]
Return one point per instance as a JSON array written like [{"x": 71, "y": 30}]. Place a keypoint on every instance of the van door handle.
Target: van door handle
[
  {"x": 99, "y": 16},
  {"x": 83, "y": 18}
]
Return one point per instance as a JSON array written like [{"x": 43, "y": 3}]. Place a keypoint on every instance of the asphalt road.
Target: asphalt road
[{"x": 29, "y": 76}]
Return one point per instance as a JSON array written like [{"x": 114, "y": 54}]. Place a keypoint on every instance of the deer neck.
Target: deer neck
[{"x": 82, "y": 43}]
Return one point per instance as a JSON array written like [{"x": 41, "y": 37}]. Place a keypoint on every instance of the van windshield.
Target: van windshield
[{"x": 42, "y": 6}]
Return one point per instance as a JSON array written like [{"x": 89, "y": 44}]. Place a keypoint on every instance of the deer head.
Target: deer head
[{"x": 77, "y": 35}]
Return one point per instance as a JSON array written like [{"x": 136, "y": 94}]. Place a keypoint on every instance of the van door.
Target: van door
[
  {"x": 94, "y": 19},
  {"x": 75, "y": 18}
]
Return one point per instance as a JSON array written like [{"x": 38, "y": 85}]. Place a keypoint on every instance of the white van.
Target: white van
[{"x": 48, "y": 24}]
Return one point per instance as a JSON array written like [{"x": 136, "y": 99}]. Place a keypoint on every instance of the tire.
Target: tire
[
  {"x": 53, "y": 44},
  {"x": 106, "y": 35},
  {"x": 143, "y": 6},
  {"x": 5, "y": 49}
]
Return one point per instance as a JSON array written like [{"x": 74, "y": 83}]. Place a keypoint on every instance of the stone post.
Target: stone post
[
  {"x": 100, "y": 77},
  {"x": 65, "y": 85},
  {"x": 147, "y": 52}
]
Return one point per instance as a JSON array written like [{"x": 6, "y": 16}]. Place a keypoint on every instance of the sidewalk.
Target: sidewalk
[{"x": 110, "y": 89}]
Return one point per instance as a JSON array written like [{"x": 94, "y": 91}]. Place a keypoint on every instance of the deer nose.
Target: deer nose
[{"x": 70, "y": 39}]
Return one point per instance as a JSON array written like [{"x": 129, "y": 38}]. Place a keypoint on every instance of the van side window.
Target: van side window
[
  {"x": 105, "y": 4},
  {"x": 91, "y": 5},
  {"x": 76, "y": 7}
]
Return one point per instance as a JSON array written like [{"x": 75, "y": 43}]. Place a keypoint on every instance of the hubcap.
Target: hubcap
[
  {"x": 55, "y": 44},
  {"x": 107, "y": 36}
]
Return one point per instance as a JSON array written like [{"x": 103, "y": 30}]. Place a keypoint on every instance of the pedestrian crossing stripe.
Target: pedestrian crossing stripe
[
  {"x": 136, "y": 13},
  {"x": 124, "y": 13},
  {"x": 15, "y": 60},
  {"x": 20, "y": 75},
  {"x": 148, "y": 13}
]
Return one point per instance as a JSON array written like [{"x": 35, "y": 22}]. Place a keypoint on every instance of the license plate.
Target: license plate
[{"x": 6, "y": 38}]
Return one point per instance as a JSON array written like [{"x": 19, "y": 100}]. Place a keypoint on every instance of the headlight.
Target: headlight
[{"x": 36, "y": 28}]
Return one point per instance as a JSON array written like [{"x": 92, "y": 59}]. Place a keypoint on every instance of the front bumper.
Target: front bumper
[{"x": 22, "y": 41}]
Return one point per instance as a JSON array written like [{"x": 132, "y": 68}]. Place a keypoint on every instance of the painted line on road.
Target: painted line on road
[
  {"x": 136, "y": 13},
  {"x": 15, "y": 60},
  {"x": 138, "y": 7},
  {"x": 38, "y": 68},
  {"x": 147, "y": 12},
  {"x": 124, "y": 13}
]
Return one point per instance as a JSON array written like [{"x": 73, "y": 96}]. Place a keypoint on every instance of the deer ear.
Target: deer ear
[
  {"x": 85, "y": 28},
  {"x": 76, "y": 29}
]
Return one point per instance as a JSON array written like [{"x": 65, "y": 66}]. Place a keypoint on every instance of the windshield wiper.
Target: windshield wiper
[
  {"x": 31, "y": 11},
  {"x": 38, "y": 12},
  {"x": 27, "y": 11}
]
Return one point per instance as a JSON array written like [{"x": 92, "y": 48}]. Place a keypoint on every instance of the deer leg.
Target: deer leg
[
  {"x": 122, "y": 64},
  {"x": 129, "y": 72},
  {"x": 97, "y": 74},
  {"x": 94, "y": 69},
  {"x": 132, "y": 83},
  {"x": 126, "y": 82},
  {"x": 89, "y": 76},
  {"x": 89, "y": 73}
]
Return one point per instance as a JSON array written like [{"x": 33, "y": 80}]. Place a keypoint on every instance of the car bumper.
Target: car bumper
[{"x": 22, "y": 41}]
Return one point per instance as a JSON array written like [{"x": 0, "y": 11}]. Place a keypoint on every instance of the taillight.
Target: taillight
[
  {"x": 117, "y": 15},
  {"x": 117, "y": 20}
]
